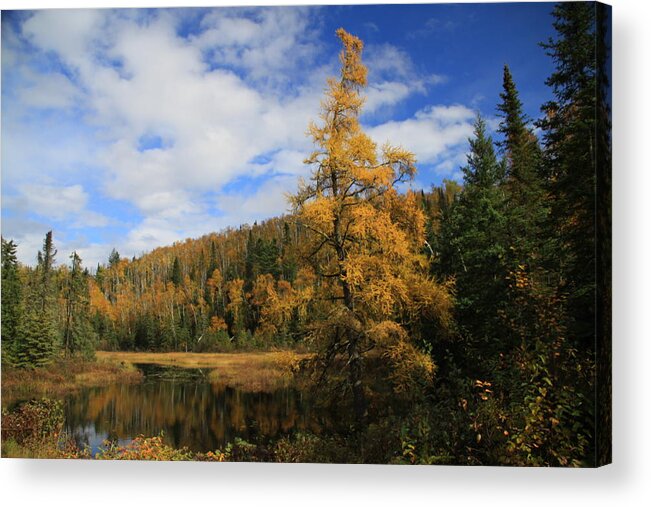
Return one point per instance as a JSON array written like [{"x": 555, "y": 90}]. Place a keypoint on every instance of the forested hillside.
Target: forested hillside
[
  {"x": 248, "y": 286},
  {"x": 458, "y": 320}
]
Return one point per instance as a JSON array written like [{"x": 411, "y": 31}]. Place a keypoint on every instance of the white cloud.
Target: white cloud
[
  {"x": 291, "y": 162},
  {"x": 452, "y": 164},
  {"x": 90, "y": 219},
  {"x": 29, "y": 235},
  {"x": 387, "y": 62},
  {"x": 216, "y": 122},
  {"x": 91, "y": 254},
  {"x": 386, "y": 93},
  {"x": 51, "y": 205},
  {"x": 218, "y": 100},
  {"x": 432, "y": 134},
  {"x": 393, "y": 77},
  {"x": 57, "y": 203},
  {"x": 268, "y": 44},
  {"x": 48, "y": 91},
  {"x": 149, "y": 233},
  {"x": 54, "y": 202},
  {"x": 268, "y": 200},
  {"x": 67, "y": 33},
  {"x": 142, "y": 79},
  {"x": 283, "y": 162}
]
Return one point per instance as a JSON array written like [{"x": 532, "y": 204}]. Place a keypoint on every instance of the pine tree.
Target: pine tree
[
  {"x": 518, "y": 141},
  {"x": 578, "y": 166},
  {"x": 79, "y": 336},
  {"x": 473, "y": 245},
  {"x": 268, "y": 254},
  {"x": 38, "y": 337},
  {"x": 39, "y": 334},
  {"x": 12, "y": 305},
  {"x": 212, "y": 266},
  {"x": 176, "y": 276},
  {"x": 569, "y": 129},
  {"x": 99, "y": 275},
  {"x": 114, "y": 258},
  {"x": 46, "y": 261},
  {"x": 526, "y": 211}
]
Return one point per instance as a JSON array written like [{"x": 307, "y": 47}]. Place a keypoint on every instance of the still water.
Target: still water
[{"x": 191, "y": 411}]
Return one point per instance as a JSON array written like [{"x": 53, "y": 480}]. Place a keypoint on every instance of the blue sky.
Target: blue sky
[{"x": 137, "y": 128}]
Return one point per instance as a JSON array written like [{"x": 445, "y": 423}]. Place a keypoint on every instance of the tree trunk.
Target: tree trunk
[{"x": 355, "y": 367}]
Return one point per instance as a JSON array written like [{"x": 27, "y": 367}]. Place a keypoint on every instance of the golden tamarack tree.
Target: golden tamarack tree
[{"x": 365, "y": 243}]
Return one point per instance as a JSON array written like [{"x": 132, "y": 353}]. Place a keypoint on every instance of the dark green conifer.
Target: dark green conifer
[
  {"x": 176, "y": 276},
  {"x": 78, "y": 333},
  {"x": 525, "y": 208},
  {"x": 473, "y": 244},
  {"x": 12, "y": 304}
]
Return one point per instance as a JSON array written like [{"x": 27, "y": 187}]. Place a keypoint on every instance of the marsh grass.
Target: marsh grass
[
  {"x": 63, "y": 376},
  {"x": 248, "y": 371}
]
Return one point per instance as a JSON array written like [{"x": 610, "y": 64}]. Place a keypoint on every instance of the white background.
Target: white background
[{"x": 626, "y": 482}]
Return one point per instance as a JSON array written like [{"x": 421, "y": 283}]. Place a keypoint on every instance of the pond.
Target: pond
[{"x": 190, "y": 411}]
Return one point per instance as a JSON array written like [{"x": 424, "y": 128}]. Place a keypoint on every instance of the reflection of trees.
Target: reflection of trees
[{"x": 201, "y": 416}]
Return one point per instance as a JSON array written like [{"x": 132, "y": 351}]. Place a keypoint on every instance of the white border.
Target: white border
[{"x": 627, "y": 482}]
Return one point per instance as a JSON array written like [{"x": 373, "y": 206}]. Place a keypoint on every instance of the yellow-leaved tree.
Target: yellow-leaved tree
[{"x": 365, "y": 244}]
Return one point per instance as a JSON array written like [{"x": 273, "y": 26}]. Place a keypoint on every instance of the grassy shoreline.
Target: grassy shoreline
[
  {"x": 63, "y": 376},
  {"x": 250, "y": 371}
]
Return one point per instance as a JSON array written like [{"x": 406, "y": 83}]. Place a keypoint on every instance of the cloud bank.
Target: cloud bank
[{"x": 138, "y": 128}]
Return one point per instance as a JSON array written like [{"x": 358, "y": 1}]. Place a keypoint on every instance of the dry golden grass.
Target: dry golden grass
[
  {"x": 249, "y": 371},
  {"x": 62, "y": 376}
]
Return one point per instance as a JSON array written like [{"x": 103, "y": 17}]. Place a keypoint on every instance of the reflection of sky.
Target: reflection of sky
[
  {"x": 87, "y": 437},
  {"x": 136, "y": 128}
]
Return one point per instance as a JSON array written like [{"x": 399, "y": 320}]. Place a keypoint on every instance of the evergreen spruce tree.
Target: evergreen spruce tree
[
  {"x": 268, "y": 254},
  {"x": 39, "y": 336},
  {"x": 525, "y": 197},
  {"x": 176, "y": 276},
  {"x": 99, "y": 275},
  {"x": 473, "y": 245},
  {"x": 79, "y": 335},
  {"x": 519, "y": 144},
  {"x": 46, "y": 260},
  {"x": 114, "y": 258},
  {"x": 569, "y": 129},
  {"x": 12, "y": 305},
  {"x": 578, "y": 167}
]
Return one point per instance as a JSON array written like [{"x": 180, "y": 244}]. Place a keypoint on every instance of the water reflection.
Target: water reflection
[{"x": 190, "y": 411}]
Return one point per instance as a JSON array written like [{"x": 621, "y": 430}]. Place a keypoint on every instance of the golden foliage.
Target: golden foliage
[
  {"x": 217, "y": 323},
  {"x": 410, "y": 367},
  {"x": 366, "y": 237}
]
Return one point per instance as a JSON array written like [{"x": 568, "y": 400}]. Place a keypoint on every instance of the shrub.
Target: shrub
[
  {"x": 142, "y": 448},
  {"x": 34, "y": 423}
]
